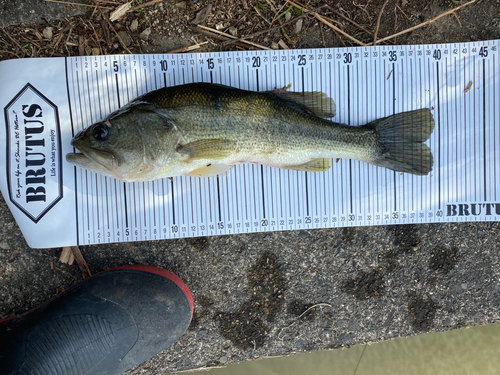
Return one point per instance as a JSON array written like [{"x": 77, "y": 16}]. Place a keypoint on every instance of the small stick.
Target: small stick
[
  {"x": 232, "y": 37},
  {"x": 351, "y": 21},
  {"x": 111, "y": 27},
  {"x": 219, "y": 37},
  {"x": 377, "y": 25},
  {"x": 282, "y": 44},
  {"x": 460, "y": 23},
  {"x": 329, "y": 24},
  {"x": 14, "y": 41},
  {"x": 70, "y": 3},
  {"x": 301, "y": 315},
  {"x": 426, "y": 22},
  {"x": 243, "y": 38},
  {"x": 12, "y": 53},
  {"x": 96, "y": 38},
  {"x": 149, "y": 3},
  {"x": 81, "y": 262},
  {"x": 66, "y": 256},
  {"x": 188, "y": 48},
  {"x": 401, "y": 10}
]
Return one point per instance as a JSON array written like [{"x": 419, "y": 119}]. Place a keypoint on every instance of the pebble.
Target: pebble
[
  {"x": 48, "y": 33},
  {"x": 125, "y": 37},
  {"x": 298, "y": 26},
  {"x": 223, "y": 359},
  {"x": 134, "y": 25},
  {"x": 145, "y": 34},
  {"x": 5, "y": 245},
  {"x": 274, "y": 45},
  {"x": 233, "y": 31},
  {"x": 303, "y": 234}
]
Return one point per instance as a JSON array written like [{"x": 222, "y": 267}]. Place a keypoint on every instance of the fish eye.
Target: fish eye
[{"x": 100, "y": 132}]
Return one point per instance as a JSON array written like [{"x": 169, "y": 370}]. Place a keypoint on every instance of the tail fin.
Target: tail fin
[{"x": 401, "y": 139}]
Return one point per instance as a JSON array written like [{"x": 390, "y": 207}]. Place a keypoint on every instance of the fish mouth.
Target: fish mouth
[{"x": 100, "y": 160}]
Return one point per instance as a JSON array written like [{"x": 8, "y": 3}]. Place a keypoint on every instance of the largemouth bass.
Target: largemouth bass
[{"x": 202, "y": 130}]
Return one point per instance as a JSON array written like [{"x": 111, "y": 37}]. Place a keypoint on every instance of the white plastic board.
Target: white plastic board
[{"x": 47, "y": 101}]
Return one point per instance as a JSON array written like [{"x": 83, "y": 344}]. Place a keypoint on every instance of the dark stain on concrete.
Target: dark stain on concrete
[
  {"x": 298, "y": 308},
  {"x": 247, "y": 326},
  {"x": 443, "y": 259},
  {"x": 347, "y": 234},
  {"x": 266, "y": 286},
  {"x": 365, "y": 285},
  {"x": 198, "y": 243},
  {"x": 201, "y": 309},
  {"x": 244, "y": 327},
  {"x": 406, "y": 237},
  {"x": 422, "y": 310}
]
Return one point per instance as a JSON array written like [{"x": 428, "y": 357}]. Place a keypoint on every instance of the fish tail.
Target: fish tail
[{"x": 401, "y": 138}]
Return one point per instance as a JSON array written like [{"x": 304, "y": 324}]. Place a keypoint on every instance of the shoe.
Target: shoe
[{"x": 105, "y": 324}]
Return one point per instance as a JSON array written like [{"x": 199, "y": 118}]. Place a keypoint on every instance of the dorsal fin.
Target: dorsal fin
[{"x": 314, "y": 103}]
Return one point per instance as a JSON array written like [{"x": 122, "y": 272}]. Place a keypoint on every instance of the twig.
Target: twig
[
  {"x": 12, "y": 53},
  {"x": 111, "y": 27},
  {"x": 401, "y": 10},
  {"x": 264, "y": 18},
  {"x": 349, "y": 20},
  {"x": 460, "y": 23},
  {"x": 359, "y": 360},
  {"x": 187, "y": 49},
  {"x": 231, "y": 37},
  {"x": 329, "y": 24},
  {"x": 377, "y": 25},
  {"x": 70, "y": 3},
  {"x": 66, "y": 256},
  {"x": 14, "y": 41},
  {"x": 426, "y": 22},
  {"x": 81, "y": 262},
  {"x": 149, "y": 3},
  {"x": 301, "y": 315},
  {"x": 244, "y": 38},
  {"x": 96, "y": 38},
  {"x": 282, "y": 44},
  {"x": 216, "y": 36},
  {"x": 322, "y": 36}
]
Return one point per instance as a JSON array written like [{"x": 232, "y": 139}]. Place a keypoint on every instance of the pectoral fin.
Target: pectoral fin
[
  {"x": 315, "y": 165},
  {"x": 210, "y": 170},
  {"x": 208, "y": 149}
]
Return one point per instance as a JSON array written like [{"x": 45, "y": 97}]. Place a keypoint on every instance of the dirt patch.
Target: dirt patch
[
  {"x": 443, "y": 259},
  {"x": 365, "y": 285},
  {"x": 167, "y": 26},
  {"x": 422, "y": 310},
  {"x": 247, "y": 327}
]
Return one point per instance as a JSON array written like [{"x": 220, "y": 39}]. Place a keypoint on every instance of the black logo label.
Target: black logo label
[
  {"x": 34, "y": 157},
  {"x": 472, "y": 209}
]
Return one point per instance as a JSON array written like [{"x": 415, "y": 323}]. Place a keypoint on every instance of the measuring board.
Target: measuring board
[{"x": 47, "y": 101}]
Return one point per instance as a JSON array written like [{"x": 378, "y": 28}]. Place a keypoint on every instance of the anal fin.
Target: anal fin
[
  {"x": 315, "y": 165},
  {"x": 210, "y": 170}
]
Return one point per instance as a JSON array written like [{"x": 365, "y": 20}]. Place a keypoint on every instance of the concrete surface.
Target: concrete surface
[
  {"x": 250, "y": 291},
  {"x": 14, "y": 12}
]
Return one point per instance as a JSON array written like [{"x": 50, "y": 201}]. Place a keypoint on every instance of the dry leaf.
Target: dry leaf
[
  {"x": 120, "y": 11},
  {"x": 467, "y": 89}
]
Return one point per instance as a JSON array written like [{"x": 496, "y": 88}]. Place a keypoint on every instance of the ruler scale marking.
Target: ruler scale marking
[{"x": 354, "y": 193}]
